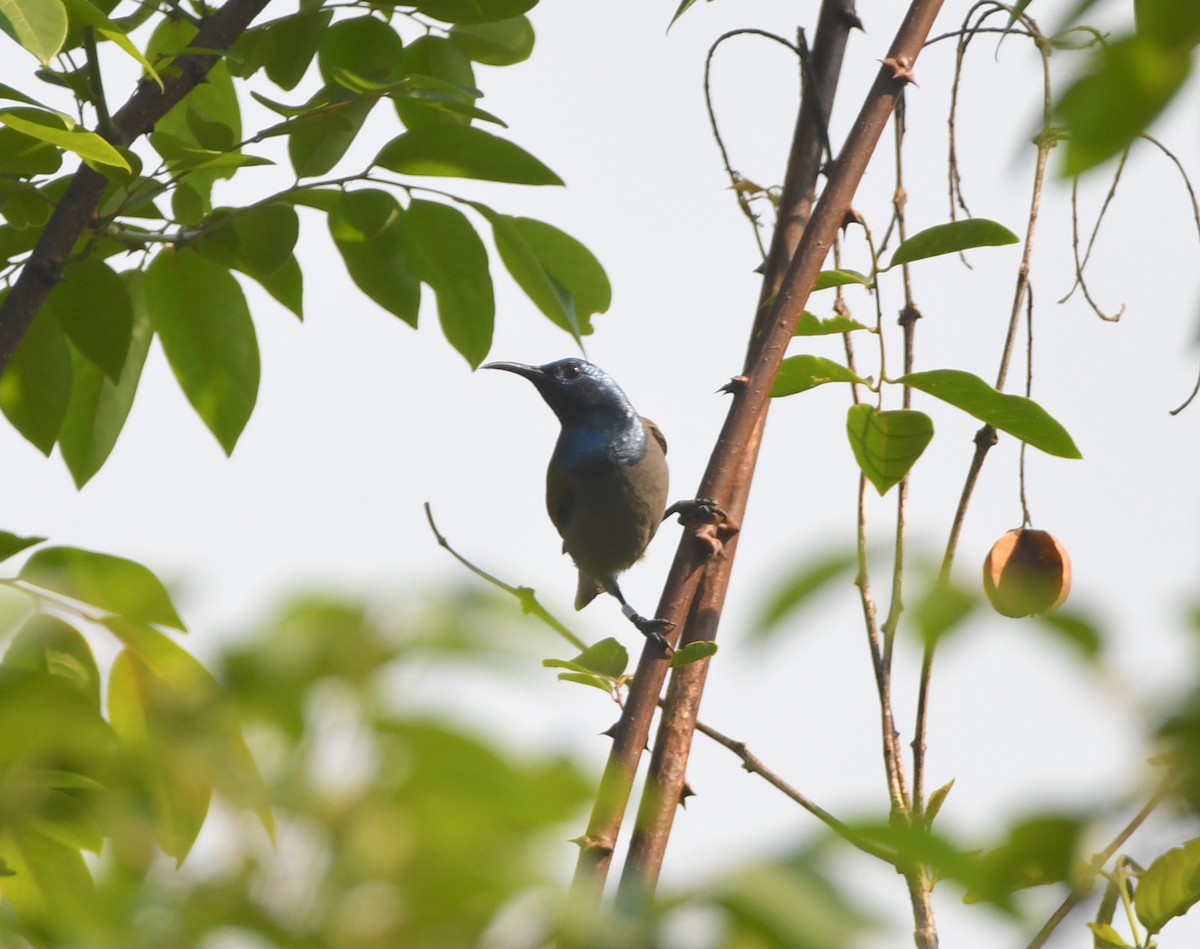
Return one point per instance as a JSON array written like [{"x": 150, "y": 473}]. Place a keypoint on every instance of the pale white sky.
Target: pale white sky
[{"x": 360, "y": 420}]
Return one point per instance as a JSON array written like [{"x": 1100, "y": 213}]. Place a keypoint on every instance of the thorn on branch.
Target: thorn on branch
[
  {"x": 684, "y": 793},
  {"x": 851, "y": 217},
  {"x": 591, "y": 844},
  {"x": 735, "y": 384},
  {"x": 901, "y": 67}
]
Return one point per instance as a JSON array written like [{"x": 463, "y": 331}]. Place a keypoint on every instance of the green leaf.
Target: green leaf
[
  {"x": 113, "y": 584},
  {"x": 368, "y": 227},
  {"x": 1169, "y": 887},
  {"x": 810, "y": 324},
  {"x": 8, "y": 92},
  {"x": 201, "y": 317},
  {"x": 364, "y": 45},
  {"x": 936, "y": 800},
  {"x": 38, "y": 25},
  {"x": 35, "y": 389},
  {"x": 473, "y": 11},
  {"x": 188, "y": 726},
  {"x": 693, "y": 652},
  {"x": 840, "y": 278},
  {"x": 952, "y": 238},
  {"x": 1078, "y": 632},
  {"x": 294, "y": 44},
  {"x": 586, "y": 678},
  {"x": 460, "y": 151},
  {"x": 1130, "y": 82},
  {"x": 800, "y": 373},
  {"x": 1039, "y": 850},
  {"x": 680, "y": 10},
  {"x": 557, "y": 273},
  {"x": 436, "y": 64},
  {"x": 93, "y": 308},
  {"x": 287, "y": 285},
  {"x": 1020, "y": 417},
  {"x": 88, "y": 14},
  {"x": 1105, "y": 937},
  {"x": 915, "y": 844},
  {"x": 800, "y": 587},
  {"x": 438, "y": 101},
  {"x": 11, "y": 543},
  {"x": 139, "y": 708},
  {"x": 209, "y": 159},
  {"x": 499, "y": 43},
  {"x": 50, "y": 884},
  {"x": 209, "y": 117},
  {"x": 99, "y": 406},
  {"x": 286, "y": 46},
  {"x": 24, "y": 206},
  {"x": 317, "y": 144},
  {"x": 257, "y": 240},
  {"x": 47, "y": 644},
  {"x": 26, "y": 157},
  {"x": 887, "y": 444},
  {"x": 1168, "y": 23},
  {"x": 59, "y": 131},
  {"x": 607, "y": 658},
  {"x": 942, "y": 608},
  {"x": 446, "y": 253}
]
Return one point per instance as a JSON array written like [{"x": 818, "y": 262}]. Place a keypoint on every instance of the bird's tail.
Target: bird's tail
[{"x": 587, "y": 591}]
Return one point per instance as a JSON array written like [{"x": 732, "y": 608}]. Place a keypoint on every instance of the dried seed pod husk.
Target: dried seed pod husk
[{"x": 1027, "y": 572}]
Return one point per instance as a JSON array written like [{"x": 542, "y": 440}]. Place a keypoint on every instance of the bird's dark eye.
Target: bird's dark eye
[{"x": 571, "y": 371}]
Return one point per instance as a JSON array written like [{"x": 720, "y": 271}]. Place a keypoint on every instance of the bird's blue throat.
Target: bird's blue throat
[{"x": 596, "y": 446}]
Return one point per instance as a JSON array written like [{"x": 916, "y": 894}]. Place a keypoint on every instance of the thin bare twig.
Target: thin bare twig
[
  {"x": 1084, "y": 886},
  {"x": 524, "y": 595},
  {"x": 1080, "y": 264},
  {"x": 736, "y": 180},
  {"x": 755, "y": 765}
]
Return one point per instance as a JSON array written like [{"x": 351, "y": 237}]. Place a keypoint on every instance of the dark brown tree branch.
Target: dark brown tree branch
[
  {"x": 731, "y": 470},
  {"x": 77, "y": 209}
]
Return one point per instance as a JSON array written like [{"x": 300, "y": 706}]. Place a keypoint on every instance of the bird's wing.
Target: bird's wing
[
  {"x": 558, "y": 498},
  {"x": 656, "y": 432}
]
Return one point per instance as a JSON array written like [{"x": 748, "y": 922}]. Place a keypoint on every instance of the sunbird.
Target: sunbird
[{"x": 606, "y": 486}]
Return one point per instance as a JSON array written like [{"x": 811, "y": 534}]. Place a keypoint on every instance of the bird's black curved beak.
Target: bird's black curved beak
[{"x": 532, "y": 373}]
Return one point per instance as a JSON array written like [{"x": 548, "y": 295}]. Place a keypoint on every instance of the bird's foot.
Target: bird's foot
[
  {"x": 652, "y": 629},
  {"x": 697, "y": 511},
  {"x": 711, "y": 524}
]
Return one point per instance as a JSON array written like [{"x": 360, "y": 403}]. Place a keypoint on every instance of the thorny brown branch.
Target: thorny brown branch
[{"x": 727, "y": 478}]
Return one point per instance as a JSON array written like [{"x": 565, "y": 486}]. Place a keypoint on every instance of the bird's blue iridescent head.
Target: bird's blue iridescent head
[{"x": 596, "y": 415}]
